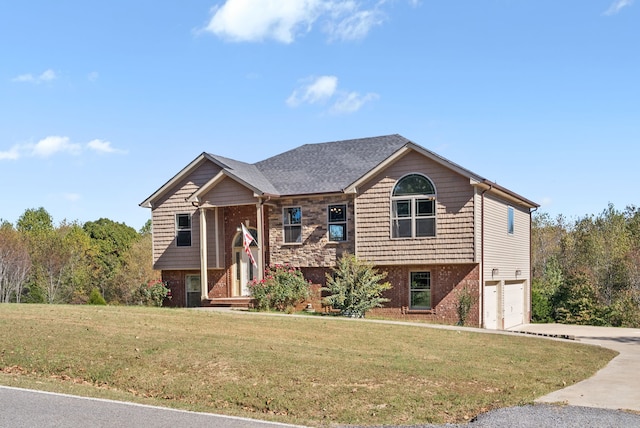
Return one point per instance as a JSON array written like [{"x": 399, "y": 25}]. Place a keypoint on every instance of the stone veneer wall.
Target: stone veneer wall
[{"x": 315, "y": 250}]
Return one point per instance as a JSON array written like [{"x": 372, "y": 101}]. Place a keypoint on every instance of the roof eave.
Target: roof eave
[
  {"x": 505, "y": 193},
  {"x": 195, "y": 196},
  {"x": 148, "y": 203},
  {"x": 353, "y": 187}
]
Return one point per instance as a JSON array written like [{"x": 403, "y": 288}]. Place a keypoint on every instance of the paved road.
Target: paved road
[
  {"x": 616, "y": 386},
  {"x": 23, "y": 408}
]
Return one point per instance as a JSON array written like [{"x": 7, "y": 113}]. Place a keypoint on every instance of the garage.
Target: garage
[
  {"x": 491, "y": 306},
  {"x": 512, "y": 304},
  {"x": 503, "y": 304}
]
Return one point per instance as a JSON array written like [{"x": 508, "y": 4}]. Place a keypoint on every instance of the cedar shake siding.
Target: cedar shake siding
[
  {"x": 166, "y": 254},
  {"x": 454, "y": 240}
]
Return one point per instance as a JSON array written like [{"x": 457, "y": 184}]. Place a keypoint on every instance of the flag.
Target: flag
[{"x": 247, "y": 238}]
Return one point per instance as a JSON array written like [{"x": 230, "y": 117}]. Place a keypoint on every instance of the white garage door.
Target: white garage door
[
  {"x": 513, "y": 305},
  {"x": 491, "y": 307}
]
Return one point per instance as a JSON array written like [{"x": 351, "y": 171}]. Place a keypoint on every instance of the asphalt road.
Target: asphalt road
[{"x": 23, "y": 408}]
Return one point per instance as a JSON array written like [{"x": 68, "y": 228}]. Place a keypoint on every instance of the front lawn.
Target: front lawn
[{"x": 301, "y": 370}]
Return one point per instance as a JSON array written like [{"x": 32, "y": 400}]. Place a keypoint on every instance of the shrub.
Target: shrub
[
  {"x": 465, "y": 302},
  {"x": 153, "y": 293},
  {"x": 95, "y": 297},
  {"x": 355, "y": 287},
  {"x": 282, "y": 288}
]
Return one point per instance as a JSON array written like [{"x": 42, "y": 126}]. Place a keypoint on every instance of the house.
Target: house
[{"x": 436, "y": 228}]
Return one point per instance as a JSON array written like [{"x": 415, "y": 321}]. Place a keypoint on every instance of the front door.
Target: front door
[{"x": 244, "y": 270}]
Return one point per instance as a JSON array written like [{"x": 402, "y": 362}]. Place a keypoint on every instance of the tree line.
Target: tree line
[
  {"x": 587, "y": 271},
  {"x": 45, "y": 263}
]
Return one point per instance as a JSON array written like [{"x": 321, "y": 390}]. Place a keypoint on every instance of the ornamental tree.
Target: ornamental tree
[{"x": 355, "y": 287}]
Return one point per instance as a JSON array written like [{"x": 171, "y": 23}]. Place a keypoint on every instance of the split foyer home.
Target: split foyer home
[{"x": 436, "y": 228}]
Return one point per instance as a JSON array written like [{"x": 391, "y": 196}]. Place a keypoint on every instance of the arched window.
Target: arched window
[
  {"x": 239, "y": 241},
  {"x": 413, "y": 207}
]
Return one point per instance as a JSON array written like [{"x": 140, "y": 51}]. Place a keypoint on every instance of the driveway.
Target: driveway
[{"x": 617, "y": 385}]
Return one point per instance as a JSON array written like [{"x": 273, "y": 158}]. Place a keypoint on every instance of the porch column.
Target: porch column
[
  {"x": 259, "y": 212},
  {"x": 217, "y": 236},
  {"x": 204, "y": 292}
]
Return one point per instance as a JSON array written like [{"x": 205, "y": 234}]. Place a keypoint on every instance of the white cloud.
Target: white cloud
[
  {"x": 355, "y": 26},
  {"x": 45, "y": 76},
  {"x": 352, "y": 102},
  {"x": 93, "y": 76},
  {"x": 52, "y": 145},
  {"x": 12, "y": 154},
  {"x": 617, "y": 6},
  {"x": 284, "y": 20},
  {"x": 324, "y": 89},
  {"x": 317, "y": 90},
  {"x": 103, "y": 147},
  {"x": 250, "y": 21}
]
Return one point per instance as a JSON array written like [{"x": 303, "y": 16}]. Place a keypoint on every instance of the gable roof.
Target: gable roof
[
  {"x": 331, "y": 167},
  {"x": 328, "y": 167}
]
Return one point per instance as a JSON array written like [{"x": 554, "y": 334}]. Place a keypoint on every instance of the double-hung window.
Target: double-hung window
[
  {"x": 337, "y": 222},
  {"x": 413, "y": 207},
  {"x": 183, "y": 230},
  {"x": 292, "y": 225},
  {"x": 420, "y": 290}
]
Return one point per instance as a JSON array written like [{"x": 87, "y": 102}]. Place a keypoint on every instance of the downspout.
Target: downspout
[
  {"x": 482, "y": 255},
  {"x": 531, "y": 261},
  {"x": 263, "y": 246}
]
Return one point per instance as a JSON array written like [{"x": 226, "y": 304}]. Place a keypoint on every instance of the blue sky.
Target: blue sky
[{"x": 102, "y": 102}]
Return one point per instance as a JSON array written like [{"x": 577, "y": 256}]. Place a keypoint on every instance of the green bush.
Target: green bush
[
  {"x": 465, "y": 302},
  {"x": 153, "y": 293},
  {"x": 282, "y": 288},
  {"x": 95, "y": 297},
  {"x": 355, "y": 287},
  {"x": 541, "y": 304}
]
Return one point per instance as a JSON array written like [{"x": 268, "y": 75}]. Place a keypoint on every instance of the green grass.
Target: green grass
[{"x": 302, "y": 370}]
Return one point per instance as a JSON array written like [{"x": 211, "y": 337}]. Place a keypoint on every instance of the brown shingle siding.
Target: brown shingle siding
[{"x": 453, "y": 242}]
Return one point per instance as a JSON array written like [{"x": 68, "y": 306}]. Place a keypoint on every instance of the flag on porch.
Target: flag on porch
[{"x": 247, "y": 238}]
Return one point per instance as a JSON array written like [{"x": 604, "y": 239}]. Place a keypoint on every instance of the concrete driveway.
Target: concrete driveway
[{"x": 616, "y": 386}]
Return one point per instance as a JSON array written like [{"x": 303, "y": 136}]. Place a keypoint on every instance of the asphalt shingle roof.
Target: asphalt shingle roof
[
  {"x": 327, "y": 167},
  {"x": 246, "y": 172}
]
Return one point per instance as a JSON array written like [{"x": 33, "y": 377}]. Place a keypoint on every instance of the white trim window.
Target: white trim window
[
  {"x": 413, "y": 207},
  {"x": 183, "y": 230},
  {"x": 337, "y": 222},
  {"x": 510, "y": 220},
  {"x": 292, "y": 224},
  {"x": 420, "y": 290}
]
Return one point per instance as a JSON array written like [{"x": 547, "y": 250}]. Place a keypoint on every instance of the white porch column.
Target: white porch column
[
  {"x": 204, "y": 291},
  {"x": 259, "y": 212}
]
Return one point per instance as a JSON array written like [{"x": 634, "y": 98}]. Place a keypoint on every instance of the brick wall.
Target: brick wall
[
  {"x": 176, "y": 279},
  {"x": 447, "y": 282}
]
